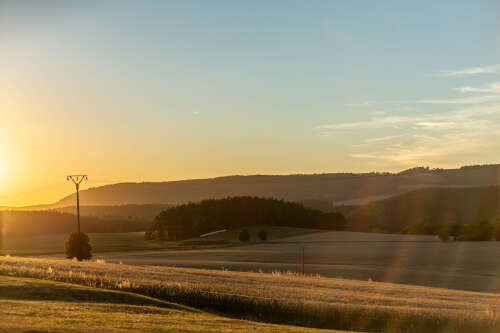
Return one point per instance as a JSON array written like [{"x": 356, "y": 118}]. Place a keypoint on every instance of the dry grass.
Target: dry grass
[
  {"x": 46, "y": 306},
  {"x": 284, "y": 298}
]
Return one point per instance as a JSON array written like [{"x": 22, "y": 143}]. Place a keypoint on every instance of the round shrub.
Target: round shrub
[
  {"x": 244, "y": 235},
  {"x": 78, "y": 246},
  {"x": 262, "y": 235},
  {"x": 444, "y": 235},
  {"x": 497, "y": 231}
]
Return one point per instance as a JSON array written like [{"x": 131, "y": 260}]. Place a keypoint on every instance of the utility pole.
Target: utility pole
[
  {"x": 303, "y": 271},
  {"x": 77, "y": 179}
]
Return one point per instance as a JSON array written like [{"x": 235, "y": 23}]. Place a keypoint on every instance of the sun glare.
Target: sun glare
[{"x": 2, "y": 168}]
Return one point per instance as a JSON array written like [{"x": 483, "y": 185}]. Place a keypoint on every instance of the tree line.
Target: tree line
[
  {"x": 29, "y": 223},
  {"x": 193, "y": 219},
  {"x": 480, "y": 231}
]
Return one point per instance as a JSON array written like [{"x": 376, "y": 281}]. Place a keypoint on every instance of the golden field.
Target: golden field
[
  {"x": 34, "y": 305},
  {"x": 282, "y": 298}
]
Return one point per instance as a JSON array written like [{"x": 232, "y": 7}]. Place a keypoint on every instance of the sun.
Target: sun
[{"x": 2, "y": 167}]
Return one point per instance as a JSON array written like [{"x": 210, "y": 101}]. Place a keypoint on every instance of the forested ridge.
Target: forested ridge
[
  {"x": 25, "y": 223},
  {"x": 194, "y": 219}
]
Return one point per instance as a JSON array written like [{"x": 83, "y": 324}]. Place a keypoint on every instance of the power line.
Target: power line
[{"x": 77, "y": 179}]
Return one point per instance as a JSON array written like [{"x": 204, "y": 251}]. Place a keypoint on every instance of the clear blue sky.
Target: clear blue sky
[{"x": 163, "y": 90}]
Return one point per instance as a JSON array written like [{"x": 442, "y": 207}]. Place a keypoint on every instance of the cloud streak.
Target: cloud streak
[
  {"x": 470, "y": 71},
  {"x": 494, "y": 97},
  {"x": 459, "y": 119},
  {"x": 434, "y": 138},
  {"x": 465, "y": 100},
  {"x": 493, "y": 88}
]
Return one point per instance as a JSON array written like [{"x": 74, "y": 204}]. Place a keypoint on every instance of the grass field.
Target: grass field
[
  {"x": 283, "y": 298},
  {"x": 418, "y": 260},
  {"x": 38, "y": 305},
  {"x": 134, "y": 241},
  {"x": 407, "y": 259}
]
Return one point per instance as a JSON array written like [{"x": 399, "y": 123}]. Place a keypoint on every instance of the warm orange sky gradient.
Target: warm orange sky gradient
[{"x": 169, "y": 90}]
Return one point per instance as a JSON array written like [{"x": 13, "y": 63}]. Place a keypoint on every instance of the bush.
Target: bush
[
  {"x": 148, "y": 235},
  {"x": 456, "y": 230},
  {"x": 244, "y": 235},
  {"x": 78, "y": 246},
  {"x": 444, "y": 235},
  {"x": 262, "y": 235},
  {"x": 497, "y": 231},
  {"x": 482, "y": 231}
]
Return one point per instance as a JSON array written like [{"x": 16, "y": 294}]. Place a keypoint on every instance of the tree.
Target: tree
[
  {"x": 481, "y": 231},
  {"x": 193, "y": 219},
  {"x": 497, "y": 231},
  {"x": 244, "y": 235},
  {"x": 331, "y": 221},
  {"x": 456, "y": 230},
  {"x": 448, "y": 230},
  {"x": 78, "y": 246},
  {"x": 262, "y": 235},
  {"x": 444, "y": 234}
]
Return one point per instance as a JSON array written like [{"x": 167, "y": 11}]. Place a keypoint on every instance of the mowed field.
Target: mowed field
[
  {"x": 309, "y": 301},
  {"x": 407, "y": 259}
]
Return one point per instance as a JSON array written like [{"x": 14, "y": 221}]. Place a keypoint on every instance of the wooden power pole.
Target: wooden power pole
[
  {"x": 303, "y": 270},
  {"x": 77, "y": 179}
]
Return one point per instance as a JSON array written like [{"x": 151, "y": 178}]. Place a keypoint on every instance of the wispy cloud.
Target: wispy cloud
[
  {"x": 437, "y": 137},
  {"x": 442, "y": 148},
  {"x": 493, "y": 88},
  {"x": 465, "y": 100},
  {"x": 457, "y": 119},
  {"x": 468, "y": 128},
  {"x": 376, "y": 122},
  {"x": 383, "y": 138},
  {"x": 457, "y": 101},
  {"x": 470, "y": 71}
]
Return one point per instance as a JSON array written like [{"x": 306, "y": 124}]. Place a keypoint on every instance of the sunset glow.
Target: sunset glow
[{"x": 197, "y": 90}]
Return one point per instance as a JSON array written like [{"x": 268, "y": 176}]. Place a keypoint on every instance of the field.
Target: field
[
  {"x": 40, "y": 305},
  {"x": 215, "y": 284},
  {"x": 133, "y": 241},
  {"x": 280, "y": 298},
  {"x": 407, "y": 259}
]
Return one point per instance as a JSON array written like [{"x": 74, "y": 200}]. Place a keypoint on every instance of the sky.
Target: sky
[{"x": 170, "y": 90}]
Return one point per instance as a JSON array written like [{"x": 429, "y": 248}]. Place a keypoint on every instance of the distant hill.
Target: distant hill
[
  {"x": 146, "y": 212},
  {"x": 336, "y": 188},
  {"x": 425, "y": 210}
]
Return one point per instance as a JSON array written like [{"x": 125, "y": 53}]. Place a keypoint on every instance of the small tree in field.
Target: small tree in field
[
  {"x": 444, "y": 235},
  {"x": 456, "y": 230},
  {"x": 497, "y": 231},
  {"x": 262, "y": 235},
  {"x": 78, "y": 246},
  {"x": 244, "y": 235}
]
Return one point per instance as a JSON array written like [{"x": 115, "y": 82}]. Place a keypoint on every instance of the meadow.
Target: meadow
[
  {"x": 281, "y": 298},
  {"x": 406, "y": 259}
]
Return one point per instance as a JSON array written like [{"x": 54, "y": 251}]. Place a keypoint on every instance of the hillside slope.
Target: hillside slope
[
  {"x": 32, "y": 305},
  {"x": 431, "y": 206},
  {"x": 334, "y": 188}
]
